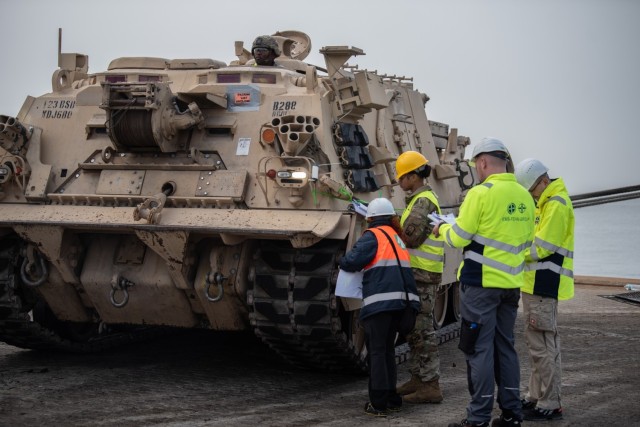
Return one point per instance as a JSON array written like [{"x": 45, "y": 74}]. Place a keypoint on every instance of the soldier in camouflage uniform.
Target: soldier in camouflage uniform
[
  {"x": 427, "y": 256},
  {"x": 265, "y": 50}
]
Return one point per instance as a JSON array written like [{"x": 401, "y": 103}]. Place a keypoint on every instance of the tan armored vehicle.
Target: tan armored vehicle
[{"x": 192, "y": 193}]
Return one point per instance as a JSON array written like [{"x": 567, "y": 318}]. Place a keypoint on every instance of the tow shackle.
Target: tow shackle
[
  {"x": 120, "y": 284},
  {"x": 217, "y": 279}
]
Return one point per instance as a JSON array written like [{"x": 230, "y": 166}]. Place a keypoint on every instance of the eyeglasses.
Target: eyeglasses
[{"x": 261, "y": 50}]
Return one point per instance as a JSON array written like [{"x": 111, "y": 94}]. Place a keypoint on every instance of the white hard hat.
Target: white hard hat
[
  {"x": 489, "y": 145},
  {"x": 528, "y": 171},
  {"x": 493, "y": 146},
  {"x": 380, "y": 207}
]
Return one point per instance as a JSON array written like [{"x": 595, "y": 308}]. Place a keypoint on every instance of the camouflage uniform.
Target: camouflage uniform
[{"x": 425, "y": 360}]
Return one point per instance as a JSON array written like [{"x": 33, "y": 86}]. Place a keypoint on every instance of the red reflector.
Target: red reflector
[
  {"x": 268, "y": 135},
  {"x": 228, "y": 78},
  {"x": 271, "y": 173}
]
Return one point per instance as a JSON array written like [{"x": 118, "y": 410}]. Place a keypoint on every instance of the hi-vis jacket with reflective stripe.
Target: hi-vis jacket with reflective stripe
[
  {"x": 429, "y": 255},
  {"x": 549, "y": 270},
  {"x": 495, "y": 228},
  {"x": 383, "y": 288}
]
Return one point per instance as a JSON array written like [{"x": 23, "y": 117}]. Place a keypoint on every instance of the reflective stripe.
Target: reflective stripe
[
  {"x": 436, "y": 243},
  {"x": 426, "y": 255},
  {"x": 388, "y": 262},
  {"x": 558, "y": 199},
  {"x": 548, "y": 265},
  {"x": 501, "y": 245},
  {"x": 449, "y": 241},
  {"x": 550, "y": 247},
  {"x": 389, "y": 296},
  {"x": 493, "y": 263},
  {"x": 489, "y": 242},
  {"x": 460, "y": 232}
]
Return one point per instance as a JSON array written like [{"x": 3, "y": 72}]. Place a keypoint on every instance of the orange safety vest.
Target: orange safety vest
[{"x": 383, "y": 283}]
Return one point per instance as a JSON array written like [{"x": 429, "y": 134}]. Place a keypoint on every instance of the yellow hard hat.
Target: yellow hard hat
[{"x": 408, "y": 162}]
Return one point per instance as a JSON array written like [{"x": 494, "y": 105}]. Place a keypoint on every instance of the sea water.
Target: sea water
[{"x": 607, "y": 240}]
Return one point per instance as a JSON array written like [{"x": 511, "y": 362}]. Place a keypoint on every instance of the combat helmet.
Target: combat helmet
[{"x": 267, "y": 42}]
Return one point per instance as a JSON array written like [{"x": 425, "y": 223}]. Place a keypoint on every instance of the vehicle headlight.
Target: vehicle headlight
[{"x": 5, "y": 174}]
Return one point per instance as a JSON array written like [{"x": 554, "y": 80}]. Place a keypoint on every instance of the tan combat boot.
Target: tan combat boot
[
  {"x": 428, "y": 392},
  {"x": 410, "y": 386}
]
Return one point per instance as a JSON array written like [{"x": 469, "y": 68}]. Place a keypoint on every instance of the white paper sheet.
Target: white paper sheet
[
  {"x": 436, "y": 218},
  {"x": 349, "y": 284}
]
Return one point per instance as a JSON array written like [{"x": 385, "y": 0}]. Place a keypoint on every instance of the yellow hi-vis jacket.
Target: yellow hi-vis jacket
[
  {"x": 429, "y": 255},
  {"x": 549, "y": 270},
  {"x": 495, "y": 230}
]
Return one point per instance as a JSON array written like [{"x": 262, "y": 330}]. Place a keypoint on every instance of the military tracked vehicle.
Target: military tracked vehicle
[{"x": 193, "y": 193}]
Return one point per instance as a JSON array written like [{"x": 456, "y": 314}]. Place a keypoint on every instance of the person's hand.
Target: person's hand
[{"x": 436, "y": 229}]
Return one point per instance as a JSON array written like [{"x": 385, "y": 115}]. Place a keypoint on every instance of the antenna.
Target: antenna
[{"x": 59, "y": 47}]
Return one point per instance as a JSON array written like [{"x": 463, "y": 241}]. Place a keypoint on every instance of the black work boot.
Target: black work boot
[
  {"x": 539, "y": 414},
  {"x": 506, "y": 421},
  {"x": 369, "y": 409},
  {"x": 466, "y": 423}
]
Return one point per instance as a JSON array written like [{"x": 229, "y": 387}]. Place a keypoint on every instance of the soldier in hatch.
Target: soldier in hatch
[{"x": 265, "y": 50}]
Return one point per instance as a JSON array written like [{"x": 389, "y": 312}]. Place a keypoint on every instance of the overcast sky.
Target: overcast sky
[{"x": 556, "y": 80}]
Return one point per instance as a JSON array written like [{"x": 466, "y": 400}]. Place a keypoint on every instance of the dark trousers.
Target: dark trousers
[
  {"x": 495, "y": 358},
  {"x": 380, "y": 335}
]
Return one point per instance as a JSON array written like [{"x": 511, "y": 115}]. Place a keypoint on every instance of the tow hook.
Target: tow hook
[
  {"x": 120, "y": 284},
  {"x": 33, "y": 263},
  {"x": 217, "y": 279}
]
